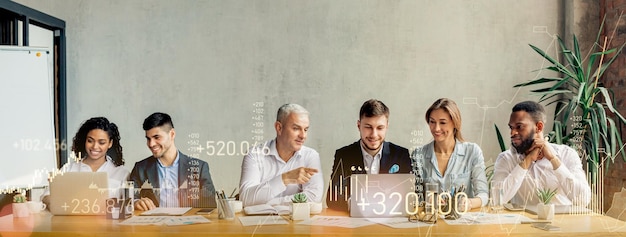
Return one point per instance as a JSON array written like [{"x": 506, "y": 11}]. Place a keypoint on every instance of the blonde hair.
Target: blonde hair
[{"x": 450, "y": 107}]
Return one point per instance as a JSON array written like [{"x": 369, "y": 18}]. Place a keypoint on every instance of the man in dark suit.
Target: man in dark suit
[
  {"x": 181, "y": 181},
  {"x": 370, "y": 155}
]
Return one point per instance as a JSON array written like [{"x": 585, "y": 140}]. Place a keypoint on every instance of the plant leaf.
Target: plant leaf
[
  {"x": 500, "y": 140},
  {"x": 538, "y": 81},
  {"x": 609, "y": 104},
  {"x": 557, "y": 66}
]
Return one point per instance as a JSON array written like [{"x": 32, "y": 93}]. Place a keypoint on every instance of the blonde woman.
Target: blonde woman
[{"x": 449, "y": 160}]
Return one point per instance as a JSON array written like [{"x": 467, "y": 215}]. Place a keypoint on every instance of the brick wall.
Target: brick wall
[{"x": 614, "y": 78}]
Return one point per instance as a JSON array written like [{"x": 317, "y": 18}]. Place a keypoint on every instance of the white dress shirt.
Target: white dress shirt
[
  {"x": 520, "y": 185},
  {"x": 117, "y": 175},
  {"x": 372, "y": 163},
  {"x": 261, "y": 176}
]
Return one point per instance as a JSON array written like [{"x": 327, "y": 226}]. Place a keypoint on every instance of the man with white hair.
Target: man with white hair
[{"x": 274, "y": 171}]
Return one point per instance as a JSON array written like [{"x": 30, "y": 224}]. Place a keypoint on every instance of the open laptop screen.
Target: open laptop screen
[
  {"x": 381, "y": 195},
  {"x": 79, "y": 193}
]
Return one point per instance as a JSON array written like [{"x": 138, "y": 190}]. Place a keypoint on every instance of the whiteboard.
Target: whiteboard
[{"x": 27, "y": 141}]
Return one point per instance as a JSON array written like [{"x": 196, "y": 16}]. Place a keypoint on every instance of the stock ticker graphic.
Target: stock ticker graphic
[
  {"x": 32, "y": 177},
  {"x": 219, "y": 148},
  {"x": 380, "y": 199}
]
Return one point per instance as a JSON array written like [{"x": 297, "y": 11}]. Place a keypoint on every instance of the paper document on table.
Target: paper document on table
[
  {"x": 144, "y": 220},
  {"x": 338, "y": 221},
  {"x": 488, "y": 219},
  {"x": 166, "y": 211},
  {"x": 398, "y": 222},
  {"x": 185, "y": 220},
  {"x": 165, "y": 220},
  {"x": 262, "y": 220}
]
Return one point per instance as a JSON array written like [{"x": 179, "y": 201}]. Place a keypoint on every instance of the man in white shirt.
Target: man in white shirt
[
  {"x": 532, "y": 163},
  {"x": 273, "y": 172}
]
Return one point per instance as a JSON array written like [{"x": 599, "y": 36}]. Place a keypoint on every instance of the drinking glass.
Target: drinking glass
[
  {"x": 432, "y": 190},
  {"x": 497, "y": 192}
]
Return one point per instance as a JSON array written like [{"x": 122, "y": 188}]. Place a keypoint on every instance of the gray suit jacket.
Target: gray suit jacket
[{"x": 194, "y": 181}]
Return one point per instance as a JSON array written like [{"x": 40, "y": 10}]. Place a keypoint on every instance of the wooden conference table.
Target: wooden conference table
[{"x": 44, "y": 224}]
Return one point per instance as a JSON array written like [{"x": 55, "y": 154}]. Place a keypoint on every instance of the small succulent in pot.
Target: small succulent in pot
[
  {"x": 19, "y": 198},
  {"x": 299, "y": 198}
]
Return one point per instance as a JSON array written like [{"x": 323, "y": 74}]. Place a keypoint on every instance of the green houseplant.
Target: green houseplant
[
  {"x": 545, "y": 195},
  {"x": 581, "y": 119},
  {"x": 545, "y": 210},
  {"x": 300, "y": 209},
  {"x": 20, "y": 208}
]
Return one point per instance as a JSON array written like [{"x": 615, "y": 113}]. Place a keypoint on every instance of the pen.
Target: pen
[{"x": 233, "y": 193}]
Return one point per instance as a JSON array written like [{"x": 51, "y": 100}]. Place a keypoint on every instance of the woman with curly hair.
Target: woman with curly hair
[{"x": 97, "y": 148}]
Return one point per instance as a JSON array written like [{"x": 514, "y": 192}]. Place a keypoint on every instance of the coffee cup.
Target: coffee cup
[
  {"x": 115, "y": 213},
  {"x": 315, "y": 207},
  {"x": 35, "y": 206}
]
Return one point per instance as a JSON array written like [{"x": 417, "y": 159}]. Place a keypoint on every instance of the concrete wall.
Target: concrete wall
[{"x": 207, "y": 62}]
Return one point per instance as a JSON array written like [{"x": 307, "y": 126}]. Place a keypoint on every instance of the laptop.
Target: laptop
[
  {"x": 79, "y": 193},
  {"x": 381, "y": 195}
]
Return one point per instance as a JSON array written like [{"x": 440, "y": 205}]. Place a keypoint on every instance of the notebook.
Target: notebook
[
  {"x": 381, "y": 195},
  {"x": 266, "y": 209},
  {"x": 79, "y": 193}
]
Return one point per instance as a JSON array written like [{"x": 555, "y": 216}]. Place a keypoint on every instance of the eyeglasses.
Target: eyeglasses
[{"x": 422, "y": 216}]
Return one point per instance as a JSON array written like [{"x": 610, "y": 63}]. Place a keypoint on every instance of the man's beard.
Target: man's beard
[
  {"x": 368, "y": 148},
  {"x": 527, "y": 142}
]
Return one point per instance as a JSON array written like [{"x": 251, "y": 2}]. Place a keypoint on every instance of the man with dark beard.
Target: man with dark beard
[
  {"x": 369, "y": 155},
  {"x": 533, "y": 163}
]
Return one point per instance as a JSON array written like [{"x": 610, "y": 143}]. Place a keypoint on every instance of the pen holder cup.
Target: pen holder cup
[{"x": 224, "y": 210}]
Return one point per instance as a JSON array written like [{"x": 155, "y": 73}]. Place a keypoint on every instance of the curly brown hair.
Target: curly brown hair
[{"x": 78, "y": 144}]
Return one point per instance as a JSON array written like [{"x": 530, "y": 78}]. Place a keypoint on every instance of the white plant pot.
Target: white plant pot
[
  {"x": 20, "y": 210},
  {"x": 545, "y": 212},
  {"x": 300, "y": 211}
]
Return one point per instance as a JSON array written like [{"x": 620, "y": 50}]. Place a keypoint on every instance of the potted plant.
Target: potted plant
[
  {"x": 20, "y": 208},
  {"x": 585, "y": 117},
  {"x": 545, "y": 209},
  {"x": 300, "y": 209}
]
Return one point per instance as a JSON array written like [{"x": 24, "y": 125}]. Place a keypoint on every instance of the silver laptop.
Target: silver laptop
[
  {"x": 381, "y": 195},
  {"x": 79, "y": 193}
]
